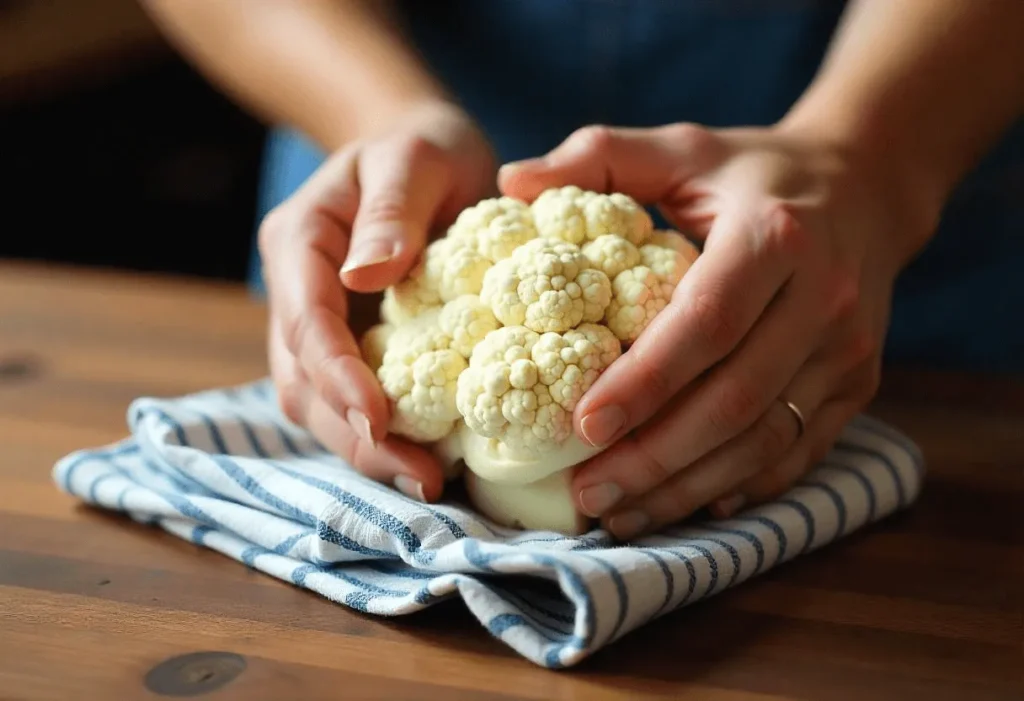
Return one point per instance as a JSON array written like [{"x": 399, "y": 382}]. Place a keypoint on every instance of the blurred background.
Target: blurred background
[{"x": 121, "y": 155}]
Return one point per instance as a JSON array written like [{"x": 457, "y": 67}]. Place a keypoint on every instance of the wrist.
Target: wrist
[{"x": 890, "y": 165}]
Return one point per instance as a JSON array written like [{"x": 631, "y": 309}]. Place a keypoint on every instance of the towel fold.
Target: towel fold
[{"x": 225, "y": 469}]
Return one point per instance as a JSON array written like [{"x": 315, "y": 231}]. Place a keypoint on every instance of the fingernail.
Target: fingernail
[
  {"x": 599, "y": 498},
  {"x": 600, "y": 426},
  {"x": 512, "y": 167},
  {"x": 724, "y": 508},
  {"x": 628, "y": 524},
  {"x": 361, "y": 425},
  {"x": 369, "y": 253},
  {"x": 410, "y": 488}
]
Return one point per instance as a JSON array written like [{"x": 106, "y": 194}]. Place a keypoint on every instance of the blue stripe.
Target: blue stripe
[
  {"x": 691, "y": 571},
  {"x": 745, "y": 535},
  {"x": 808, "y": 518},
  {"x": 869, "y": 490},
  {"x": 621, "y": 593},
  {"x": 256, "y": 490},
  {"x": 837, "y": 501},
  {"x": 382, "y": 520},
  {"x": 179, "y": 430},
  {"x": 198, "y": 535},
  {"x": 250, "y": 434},
  {"x": 96, "y": 483},
  {"x": 666, "y": 572},
  {"x": 733, "y": 555},
  {"x": 847, "y": 447},
  {"x": 97, "y": 455}
]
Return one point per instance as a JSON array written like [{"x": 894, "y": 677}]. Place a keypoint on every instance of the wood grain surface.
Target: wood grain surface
[{"x": 927, "y": 605}]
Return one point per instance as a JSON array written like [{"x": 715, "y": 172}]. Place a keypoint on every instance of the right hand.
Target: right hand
[{"x": 360, "y": 222}]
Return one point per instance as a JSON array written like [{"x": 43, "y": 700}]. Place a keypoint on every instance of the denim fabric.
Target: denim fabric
[{"x": 532, "y": 71}]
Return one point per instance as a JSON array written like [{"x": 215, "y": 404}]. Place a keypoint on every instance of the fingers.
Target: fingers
[
  {"x": 302, "y": 245},
  {"x": 714, "y": 308},
  {"x": 777, "y": 479},
  {"x": 653, "y": 490},
  {"x": 647, "y": 164},
  {"x": 411, "y": 470},
  {"x": 403, "y": 184},
  {"x": 708, "y": 479}
]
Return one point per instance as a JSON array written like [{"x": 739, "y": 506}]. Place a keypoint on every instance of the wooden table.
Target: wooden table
[{"x": 928, "y": 605}]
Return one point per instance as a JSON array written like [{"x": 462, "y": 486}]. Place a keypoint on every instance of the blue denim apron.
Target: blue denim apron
[{"x": 532, "y": 71}]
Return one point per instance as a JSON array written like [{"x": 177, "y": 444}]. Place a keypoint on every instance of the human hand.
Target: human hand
[
  {"x": 789, "y": 302},
  {"x": 359, "y": 223}
]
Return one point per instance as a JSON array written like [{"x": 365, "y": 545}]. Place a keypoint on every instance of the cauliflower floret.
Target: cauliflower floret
[
  {"x": 418, "y": 373},
  {"x": 637, "y": 297},
  {"x": 374, "y": 343},
  {"x": 466, "y": 320},
  {"x": 611, "y": 254},
  {"x": 521, "y": 387},
  {"x": 667, "y": 264},
  {"x": 494, "y": 227},
  {"x": 667, "y": 238},
  {"x": 463, "y": 270},
  {"x": 575, "y": 216},
  {"x": 408, "y": 299},
  {"x": 546, "y": 286}
]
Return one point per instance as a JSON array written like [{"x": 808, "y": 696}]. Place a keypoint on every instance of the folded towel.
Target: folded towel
[{"x": 225, "y": 469}]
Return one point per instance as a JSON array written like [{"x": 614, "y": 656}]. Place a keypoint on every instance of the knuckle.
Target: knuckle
[
  {"x": 383, "y": 207},
  {"x": 654, "y": 470},
  {"x": 595, "y": 137},
  {"x": 738, "y": 405},
  {"x": 689, "y": 137},
  {"x": 652, "y": 378},
  {"x": 843, "y": 295},
  {"x": 863, "y": 347},
  {"x": 782, "y": 233},
  {"x": 421, "y": 149},
  {"x": 715, "y": 322},
  {"x": 289, "y": 398},
  {"x": 773, "y": 437}
]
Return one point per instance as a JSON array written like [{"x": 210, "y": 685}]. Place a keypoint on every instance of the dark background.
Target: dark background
[{"x": 118, "y": 154}]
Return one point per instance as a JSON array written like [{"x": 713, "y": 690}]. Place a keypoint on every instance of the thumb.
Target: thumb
[
  {"x": 402, "y": 187},
  {"x": 647, "y": 164}
]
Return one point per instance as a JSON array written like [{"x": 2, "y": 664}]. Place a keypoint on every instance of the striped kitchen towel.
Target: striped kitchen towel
[{"x": 225, "y": 469}]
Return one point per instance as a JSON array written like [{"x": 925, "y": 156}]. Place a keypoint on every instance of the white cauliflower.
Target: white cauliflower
[
  {"x": 611, "y": 254},
  {"x": 576, "y": 216},
  {"x": 677, "y": 242},
  {"x": 466, "y": 320},
  {"x": 462, "y": 269},
  {"x": 637, "y": 297},
  {"x": 419, "y": 372},
  {"x": 521, "y": 387},
  {"x": 488, "y": 346},
  {"x": 546, "y": 286},
  {"x": 494, "y": 227},
  {"x": 373, "y": 344}
]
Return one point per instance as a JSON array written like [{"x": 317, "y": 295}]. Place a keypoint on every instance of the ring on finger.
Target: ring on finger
[{"x": 801, "y": 422}]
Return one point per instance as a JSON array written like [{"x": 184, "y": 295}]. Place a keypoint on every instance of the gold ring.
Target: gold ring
[{"x": 801, "y": 423}]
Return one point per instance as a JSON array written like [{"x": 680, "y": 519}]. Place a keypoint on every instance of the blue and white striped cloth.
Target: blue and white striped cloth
[{"x": 226, "y": 470}]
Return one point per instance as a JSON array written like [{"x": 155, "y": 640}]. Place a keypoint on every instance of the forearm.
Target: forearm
[
  {"x": 334, "y": 69},
  {"x": 928, "y": 85}
]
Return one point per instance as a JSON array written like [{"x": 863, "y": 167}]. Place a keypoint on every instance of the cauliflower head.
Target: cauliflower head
[{"x": 511, "y": 317}]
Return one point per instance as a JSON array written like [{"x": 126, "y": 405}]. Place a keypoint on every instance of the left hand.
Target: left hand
[{"x": 789, "y": 302}]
